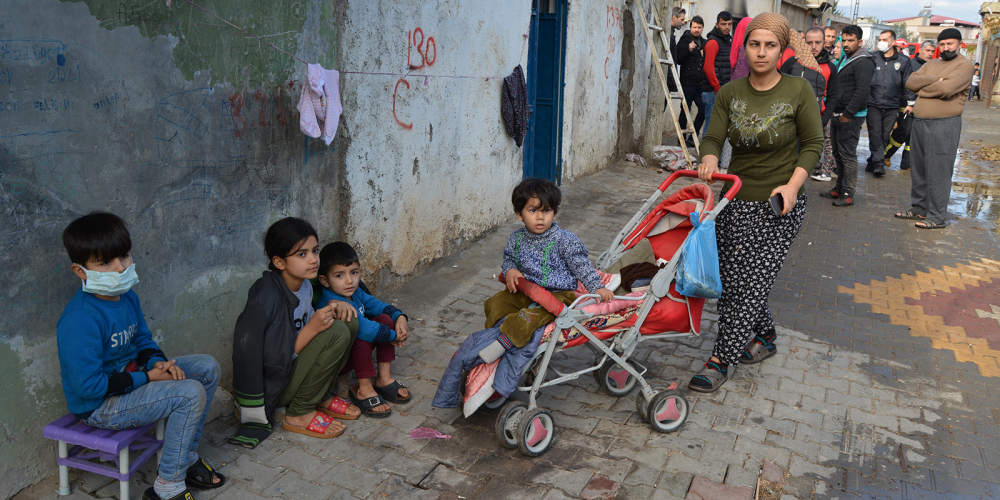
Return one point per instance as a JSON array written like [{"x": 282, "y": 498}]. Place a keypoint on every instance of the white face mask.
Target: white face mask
[
  {"x": 882, "y": 46},
  {"x": 111, "y": 283}
]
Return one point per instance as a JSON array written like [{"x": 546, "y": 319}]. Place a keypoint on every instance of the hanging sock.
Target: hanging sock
[{"x": 319, "y": 105}]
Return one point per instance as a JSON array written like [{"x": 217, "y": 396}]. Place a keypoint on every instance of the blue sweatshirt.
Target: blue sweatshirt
[
  {"x": 554, "y": 260},
  {"x": 101, "y": 345},
  {"x": 368, "y": 307}
]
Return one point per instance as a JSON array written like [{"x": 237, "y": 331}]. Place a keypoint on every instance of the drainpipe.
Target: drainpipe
[{"x": 777, "y": 6}]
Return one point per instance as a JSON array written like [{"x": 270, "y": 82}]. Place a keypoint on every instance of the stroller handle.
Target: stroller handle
[{"x": 735, "y": 188}]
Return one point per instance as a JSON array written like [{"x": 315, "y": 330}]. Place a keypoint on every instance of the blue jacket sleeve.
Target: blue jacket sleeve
[
  {"x": 374, "y": 307},
  {"x": 81, "y": 357},
  {"x": 368, "y": 330},
  {"x": 374, "y": 332},
  {"x": 575, "y": 253}
]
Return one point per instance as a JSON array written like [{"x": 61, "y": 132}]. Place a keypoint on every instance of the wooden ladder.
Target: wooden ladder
[{"x": 654, "y": 25}]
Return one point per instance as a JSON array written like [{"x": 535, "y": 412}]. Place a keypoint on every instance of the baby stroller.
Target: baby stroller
[{"x": 659, "y": 312}]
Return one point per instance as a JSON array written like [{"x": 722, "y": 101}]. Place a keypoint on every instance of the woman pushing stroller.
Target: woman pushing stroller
[{"x": 773, "y": 123}]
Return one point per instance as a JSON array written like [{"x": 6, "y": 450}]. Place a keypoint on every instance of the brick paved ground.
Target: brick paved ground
[{"x": 882, "y": 388}]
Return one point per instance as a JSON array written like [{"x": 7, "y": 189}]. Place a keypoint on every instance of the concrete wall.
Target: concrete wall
[
  {"x": 181, "y": 125},
  {"x": 594, "y": 74},
  {"x": 436, "y": 170},
  {"x": 794, "y": 10},
  {"x": 187, "y": 128}
]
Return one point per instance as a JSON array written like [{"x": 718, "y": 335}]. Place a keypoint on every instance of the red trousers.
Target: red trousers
[{"x": 361, "y": 352}]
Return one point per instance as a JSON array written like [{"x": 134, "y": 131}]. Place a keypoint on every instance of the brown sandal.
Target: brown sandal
[
  {"x": 338, "y": 409},
  {"x": 316, "y": 428}
]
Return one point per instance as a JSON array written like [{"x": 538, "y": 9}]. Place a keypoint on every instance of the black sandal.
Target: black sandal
[
  {"x": 367, "y": 404},
  {"x": 391, "y": 392},
  {"x": 200, "y": 475},
  {"x": 150, "y": 494},
  {"x": 929, "y": 224},
  {"x": 909, "y": 214}
]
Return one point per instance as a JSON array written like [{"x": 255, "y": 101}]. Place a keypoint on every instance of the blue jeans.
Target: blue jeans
[
  {"x": 186, "y": 402},
  {"x": 709, "y": 99}
]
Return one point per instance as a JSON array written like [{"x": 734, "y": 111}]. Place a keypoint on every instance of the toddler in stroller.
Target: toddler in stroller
[{"x": 612, "y": 330}]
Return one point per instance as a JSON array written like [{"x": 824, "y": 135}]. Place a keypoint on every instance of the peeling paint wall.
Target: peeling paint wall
[
  {"x": 182, "y": 125},
  {"x": 186, "y": 127},
  {"x": 594, "y": 73},
  {"x": 795, "y": 10},
  {"x": 430, "y": 164}
]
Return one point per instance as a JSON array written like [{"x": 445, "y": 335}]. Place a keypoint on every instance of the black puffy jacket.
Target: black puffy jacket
[
  {"x": 889, "y": 81},
  {"x": 854, "y": 79},
  {"x": 692, "y": 62},
  {"x": 264, "y": 341}
]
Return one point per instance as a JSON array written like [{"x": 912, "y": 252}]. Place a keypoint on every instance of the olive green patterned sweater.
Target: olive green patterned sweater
[{"x": 766, "y": 129}]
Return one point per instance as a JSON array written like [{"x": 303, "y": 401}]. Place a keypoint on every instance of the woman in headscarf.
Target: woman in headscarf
[
  {"x": 766, "y": 117},
  {"x": 738, "y": 58}
]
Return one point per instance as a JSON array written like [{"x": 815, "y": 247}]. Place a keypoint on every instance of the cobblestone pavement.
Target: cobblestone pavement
[{"x": 889, "y": 339}]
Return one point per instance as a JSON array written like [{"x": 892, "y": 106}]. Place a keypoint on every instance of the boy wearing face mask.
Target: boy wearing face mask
[
  {"x": 889, "y": 96},
  {"x": 114, "y": 376}
]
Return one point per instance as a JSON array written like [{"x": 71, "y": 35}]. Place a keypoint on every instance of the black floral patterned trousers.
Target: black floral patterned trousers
[{"x": 753, "y": 244}]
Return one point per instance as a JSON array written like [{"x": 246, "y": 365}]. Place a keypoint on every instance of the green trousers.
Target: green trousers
[
  {"x": 315, "y": 370},
  {"x": 523, "y": 315}
]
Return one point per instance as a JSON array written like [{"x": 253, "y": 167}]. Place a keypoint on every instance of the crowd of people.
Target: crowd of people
[
  {"x": 789, "y": 106},
  {"x": 854, "y": 87}
]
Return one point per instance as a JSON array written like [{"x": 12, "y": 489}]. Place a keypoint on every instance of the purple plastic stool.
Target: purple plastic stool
[{"x": 91, "y": 442}]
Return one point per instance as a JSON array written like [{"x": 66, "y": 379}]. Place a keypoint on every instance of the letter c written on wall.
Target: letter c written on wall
[{"x": 427, "y": 50}]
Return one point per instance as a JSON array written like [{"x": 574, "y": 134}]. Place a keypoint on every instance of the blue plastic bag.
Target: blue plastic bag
[{"x": 698, "y": 268}]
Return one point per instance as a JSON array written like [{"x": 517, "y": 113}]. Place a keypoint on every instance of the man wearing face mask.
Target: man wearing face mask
[
  {"x": 942, "y": 86},
  {"x": 888, "y": 97},
  {"x": 854, "y": 78},
  {"x": 900, "y": 137}
]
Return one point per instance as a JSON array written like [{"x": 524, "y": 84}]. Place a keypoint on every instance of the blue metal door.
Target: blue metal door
[{"x": 546, "y": 54}]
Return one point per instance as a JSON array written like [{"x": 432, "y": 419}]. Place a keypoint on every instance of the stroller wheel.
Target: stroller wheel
[
  {"x": 494, "y": 403},
  {"x": 667, "y": 411},
  {"x": 535, "y": 432},
  {"x": 616, "y": 379},
  {"x": 642, "y": 405},
  {"x": 507, "y": 423}
]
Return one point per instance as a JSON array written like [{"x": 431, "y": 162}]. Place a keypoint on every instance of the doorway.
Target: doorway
[{"x": 546, "y": 62}]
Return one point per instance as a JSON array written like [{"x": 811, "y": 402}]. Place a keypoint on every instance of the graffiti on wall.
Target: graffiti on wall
[
  {"x": 426, "y": 49},
  {"x": 614, "y": 24}
]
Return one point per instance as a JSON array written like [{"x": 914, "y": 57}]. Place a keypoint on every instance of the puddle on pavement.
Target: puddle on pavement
[
  {"x": 975, "y": 191},
  {"x": 975, "y": 186}
]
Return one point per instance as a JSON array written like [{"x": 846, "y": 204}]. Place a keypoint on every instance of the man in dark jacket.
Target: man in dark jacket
[
  {"x": 854, "y": 79},
  {"x": 824, "y": 84},
  {"x": 690, "y": 57},
  {"x": 900, "y": 137},
  {"x": 888, "y": 97},
  {"x": 676, "y": 21},
  {"x": 717, "y": 67}
]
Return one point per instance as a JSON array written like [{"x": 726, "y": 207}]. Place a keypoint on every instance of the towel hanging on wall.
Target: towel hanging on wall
[{"x": 319, "y": 106}]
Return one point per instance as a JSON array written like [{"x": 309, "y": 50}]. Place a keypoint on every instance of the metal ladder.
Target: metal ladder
[{"x": 654, "y": 25}]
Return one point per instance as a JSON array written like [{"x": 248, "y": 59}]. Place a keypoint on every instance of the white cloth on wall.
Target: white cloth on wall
[{"x": 319, "y": 105}]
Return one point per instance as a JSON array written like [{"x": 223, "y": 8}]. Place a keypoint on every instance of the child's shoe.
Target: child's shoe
[{"x": 391, "y": 392}]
